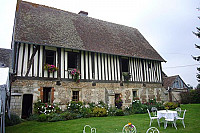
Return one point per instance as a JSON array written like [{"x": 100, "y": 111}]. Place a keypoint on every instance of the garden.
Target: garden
[{"x": 49, "y": 118}]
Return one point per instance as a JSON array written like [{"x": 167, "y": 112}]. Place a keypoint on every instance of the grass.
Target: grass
[{"x": 110, "y": 124}]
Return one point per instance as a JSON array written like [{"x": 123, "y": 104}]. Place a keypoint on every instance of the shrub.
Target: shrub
[
  {"x": 171, "y": 105},
  {"x": 99, "y": 112},
  {"x": 86, "y": 112},
  {"x": 42, "y": 117},
  {"x": 38, "y": 107},
  {"x": 119, "y": 112},
  {"x": 128, "y": 110},
  {"x": 153, "y": 103},
  {"x": 75, "y": 107},
  {"x": 111, "y": 111},
  {"x": 33, "y": 117},
  {"x": 53, "y": 117},
  {"x": 66, "y": 116},
  {"x": 101, "y": 104},
  {"x": 14, "y": 120},
  {"x": 45, "y": 108},
  {"x": 138, "y": 107},
  {"x": 91, "y": 105},
  {"x": 195, "y": 96},
  {"x": 69, "y": 116},
  {"x": 190, "y": 97}
]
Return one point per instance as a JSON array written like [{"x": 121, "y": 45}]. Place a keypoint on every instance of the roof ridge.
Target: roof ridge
[
  {"x": 6, "y": 48},
  {"x": 35, "y": 5}
]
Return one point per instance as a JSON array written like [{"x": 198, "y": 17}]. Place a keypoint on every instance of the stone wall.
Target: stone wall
[
  {"x": 16, "y": 104},
  {"x": 176, "y": 94},
  {"x": 88, "y": 92}
]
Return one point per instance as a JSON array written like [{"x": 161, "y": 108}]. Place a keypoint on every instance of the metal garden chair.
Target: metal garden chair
[
  {"x": 152, "y": 118},
  {"x": 170, "y": 120},
  {"x": 152, "y": 130},
  {"x": 178, "y": 109},
  {"x": 154, "y": 111},
  {"x": 92, "y": 130},
  {"x": 182, "y": 118}
]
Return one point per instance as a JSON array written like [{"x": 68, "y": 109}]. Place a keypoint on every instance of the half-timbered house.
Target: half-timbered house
[{"x": 115, "y": 61}]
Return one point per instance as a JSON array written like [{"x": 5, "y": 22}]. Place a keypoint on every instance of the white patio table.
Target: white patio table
[{"x": 167, "y": 114}]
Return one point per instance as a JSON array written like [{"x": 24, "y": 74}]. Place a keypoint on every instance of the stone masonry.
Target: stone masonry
[{"x": 62, "y": 94}]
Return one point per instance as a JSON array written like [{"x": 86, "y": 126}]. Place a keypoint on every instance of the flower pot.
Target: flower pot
[{"x": 78, "y": 81}]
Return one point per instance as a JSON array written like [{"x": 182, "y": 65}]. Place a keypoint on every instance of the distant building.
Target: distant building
[
  {"x": 5, "y": 64},
  {"x": 5, "y": 58},
  {"x": 175, "y": 85}
]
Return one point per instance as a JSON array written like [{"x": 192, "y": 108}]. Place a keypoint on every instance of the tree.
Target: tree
[
  {"x": 190, "y": 87},
  {"x": 198, "y": 86},
  {"x": 197, "y": 58}
]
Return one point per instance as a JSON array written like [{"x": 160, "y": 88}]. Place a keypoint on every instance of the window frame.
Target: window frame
[
  {"x": 134, "y": 93},
  {"x": 47, "y": 57},
  {"x": 74, "y": 58},
  {"x": 75, "y": 97},
  {"x": 47, "y": 94},
  {"x": 124, "y": 60}
]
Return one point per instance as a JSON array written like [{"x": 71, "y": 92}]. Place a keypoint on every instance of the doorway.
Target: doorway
[
  {"x": 27, "y": 104},
  {"x": 118, "y": 101}
]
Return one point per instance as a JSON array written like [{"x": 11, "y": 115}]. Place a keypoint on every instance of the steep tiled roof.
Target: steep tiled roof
[
  {"x": 5, "y": 57},
  {"x": 44, "y": 25},
  {"x": 168, "y": 81}
]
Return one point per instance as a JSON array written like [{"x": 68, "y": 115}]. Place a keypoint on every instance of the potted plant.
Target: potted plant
[
  {"x": 76, "y": 75},
  {"x": 127, "y": 76},
  {"x": 50, "y": 68}
]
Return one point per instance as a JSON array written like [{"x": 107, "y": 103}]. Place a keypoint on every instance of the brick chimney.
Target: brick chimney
[{"x": 83, "y": 13}]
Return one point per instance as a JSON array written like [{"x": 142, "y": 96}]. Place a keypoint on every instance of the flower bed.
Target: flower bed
[{"x": 51, "y": 112}]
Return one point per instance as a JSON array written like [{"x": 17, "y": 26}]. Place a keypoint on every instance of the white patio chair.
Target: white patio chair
[
  {"x": 170, "y": 120},
  {"x": 129, "y": 129},
  {"x": 152, "y": 118},
  {"x": 182, "y": 118},
  {"x": 178, "y": 109},
  {"x": 154, "y": 111},
  {"x": 152, "y": 130},
  {"x": 92, "y": 130}
]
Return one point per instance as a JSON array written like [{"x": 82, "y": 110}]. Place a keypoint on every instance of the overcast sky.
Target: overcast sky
[{"x": 166, "y": 24}]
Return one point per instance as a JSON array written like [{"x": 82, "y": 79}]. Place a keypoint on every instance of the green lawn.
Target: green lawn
[{"x": 111, "y": 124}]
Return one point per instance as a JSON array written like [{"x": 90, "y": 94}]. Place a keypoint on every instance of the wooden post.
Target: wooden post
[{"x": 30, "y": 62}]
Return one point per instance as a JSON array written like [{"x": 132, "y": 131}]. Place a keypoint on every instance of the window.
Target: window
[
  {"x": 125, "y": 63},
  {"x": 46, "y": 95},
  {"x": 75, "y": 95},
  {"x": 50, "y": 57},
  {"x": 72, "y": 59}
]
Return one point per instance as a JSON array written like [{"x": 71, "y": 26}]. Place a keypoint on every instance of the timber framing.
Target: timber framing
[{"x": 30, "y": 62}]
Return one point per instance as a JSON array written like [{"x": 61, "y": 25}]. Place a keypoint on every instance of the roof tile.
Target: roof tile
[{"x": 44, "y": 25}]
